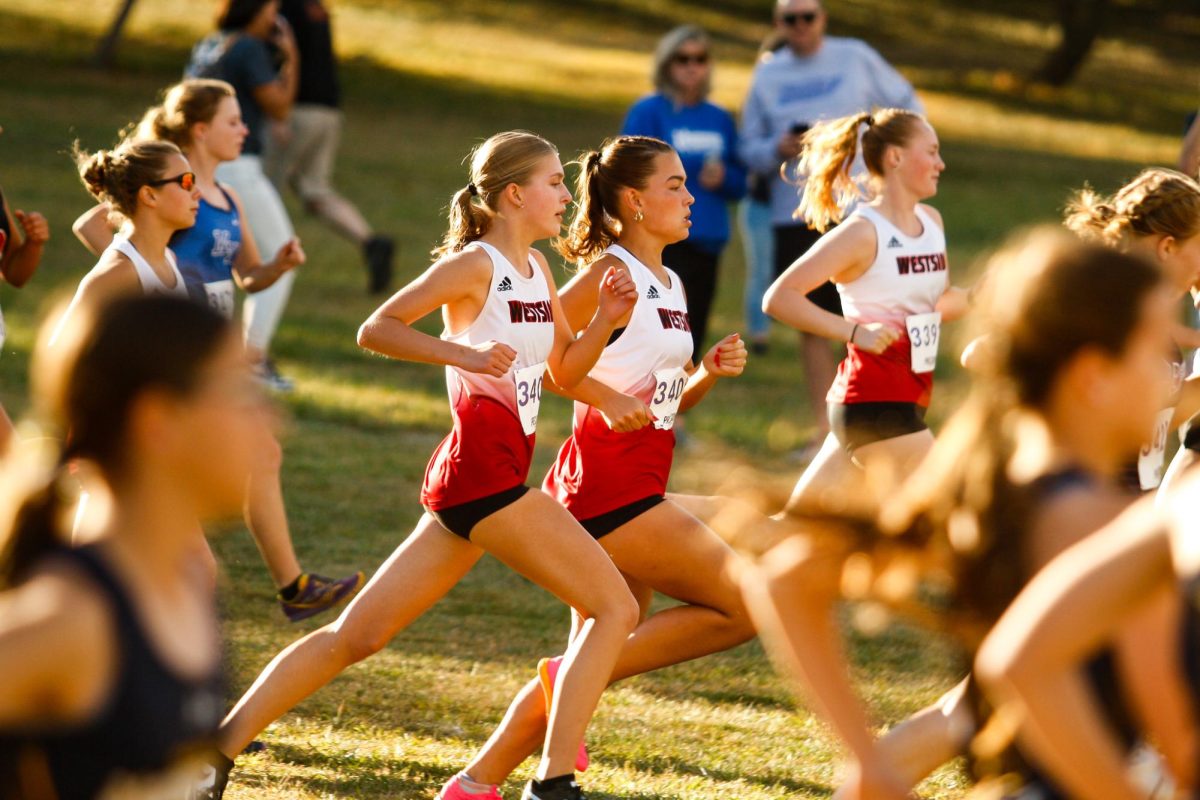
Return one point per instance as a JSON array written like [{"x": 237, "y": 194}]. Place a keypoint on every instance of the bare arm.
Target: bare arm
[
  {"x": 56, "y": 650},
  {"x": 460, "y": 281},
  {"x": 844, "y": 254},
  {"x": 93, "y": 229},
  {"x": 251, "y": 274},
  {"x": 276, "y": 98},
  {"x": 22, "y": 256},
  {"x": 1189, "y": 158},
  {"x": 1033, "y": 656}
]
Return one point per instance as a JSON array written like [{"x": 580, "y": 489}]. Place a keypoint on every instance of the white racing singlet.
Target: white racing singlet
[{"x": 151, "y": 283}]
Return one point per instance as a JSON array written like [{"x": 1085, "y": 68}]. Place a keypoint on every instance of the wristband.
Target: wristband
[{"x": 853, "y": 331}]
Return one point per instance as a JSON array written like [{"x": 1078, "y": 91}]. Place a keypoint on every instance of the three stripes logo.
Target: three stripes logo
[
  {"x": 653, "y": 293},
  {"x": 504, "y": 285},
  {"x": 894, "y": 243}
]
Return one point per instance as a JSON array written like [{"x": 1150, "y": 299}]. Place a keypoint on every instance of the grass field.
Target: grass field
[{"x": 424, "y": 80}]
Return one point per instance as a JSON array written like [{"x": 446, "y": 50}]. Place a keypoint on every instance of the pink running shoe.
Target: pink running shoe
[
  {"x": 547, "y": 673},
  {"x": 453, "y": 791}
]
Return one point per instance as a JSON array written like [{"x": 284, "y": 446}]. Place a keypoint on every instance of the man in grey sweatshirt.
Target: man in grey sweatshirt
[{"x": 815, "y": 77}]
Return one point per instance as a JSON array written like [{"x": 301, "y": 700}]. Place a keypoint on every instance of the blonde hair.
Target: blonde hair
[
  {"x": 626, "y": 162},
  {"x": 667, "y": 47},
  {"x": 1157, "y": 202},
  {"x": 829, "y": 149},
  {"x": 504, "y": 158},
  {"x": 184, "y": 105}
]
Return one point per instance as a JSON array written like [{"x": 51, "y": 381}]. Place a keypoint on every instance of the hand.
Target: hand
[
  {"x": 875, "y": 337},
  {"x": 488, "y": 358},
  {"x": 874, "y": 781},
  {"x": 624, "y": 413},
  {"x": 789, "y": 146},
  {"x": 283, "y": 36},
  {"x": 618, "y": 294},
  {"x": 290, "y": 256},
  {"x": 713, "y": 174},
  {"x": 727, "y": 358},
  {"x": 37, "y": 230}
]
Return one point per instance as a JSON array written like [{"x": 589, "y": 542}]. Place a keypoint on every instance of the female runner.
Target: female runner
[
  {"x": 614, "y": 482},
  {"x": 505, "y": 328}
]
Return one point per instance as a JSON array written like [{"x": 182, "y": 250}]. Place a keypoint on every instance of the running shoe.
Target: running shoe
[
  {"x": 453, "y": 791},
  {"x": 378, "y": 252},
  {"x": 269, "y": 376},
  {"x": 547, "y": 673},
  {"x": 568, "y": 791},
  {"x": 316, "y": 593}
]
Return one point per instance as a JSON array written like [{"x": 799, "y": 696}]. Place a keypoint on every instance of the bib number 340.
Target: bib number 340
[
  {"x": 668, "y": 393},
  {"x": 527, "y": 381},
  {"x": 924, "y": 330}
]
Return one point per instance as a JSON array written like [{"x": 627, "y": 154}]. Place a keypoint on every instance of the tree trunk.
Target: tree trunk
[
  {"x": 1081, "y": 22},
  {"x": 106, "y": 50}
]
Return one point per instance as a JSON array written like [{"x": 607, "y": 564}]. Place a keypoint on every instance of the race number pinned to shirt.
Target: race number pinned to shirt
[
  {"x": 924, "y": 330},
  {"x": 1153, "y": 455},
  {"x": 528, "y": 384},
  {"x": 220, "y": 297},
  {"x": 668, "y": 393}
]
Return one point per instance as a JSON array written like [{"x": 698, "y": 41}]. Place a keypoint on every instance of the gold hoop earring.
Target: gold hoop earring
[{"x": 637, "y": 217}]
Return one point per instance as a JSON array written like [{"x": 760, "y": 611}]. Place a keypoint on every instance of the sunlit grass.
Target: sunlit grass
[{"x": 424, "y": 81}]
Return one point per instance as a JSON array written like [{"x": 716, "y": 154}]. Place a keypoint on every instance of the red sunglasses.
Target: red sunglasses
[{"x": 186, "y": 181}]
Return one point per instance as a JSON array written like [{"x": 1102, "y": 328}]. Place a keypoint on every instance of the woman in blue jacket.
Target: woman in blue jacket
[{"x": 705, "y": 136}]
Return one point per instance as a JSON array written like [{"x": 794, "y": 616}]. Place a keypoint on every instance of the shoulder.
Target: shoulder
[
  {"x": 234, "y": 197},
  {"x": 650, "y": 102},
  {"x": 856, "y": 229},
  {"x": 66, "y": 608},
  {"x": 595, "y": 270},
  {"x": 1069, "y": 516},
  {"x": 934, "y": 214},
  {"x": 543, "y": 263},
  {"x": 471, "y": 263},
  {"x": 113, "y": 269},
  {"x": 847, "y": 45}
]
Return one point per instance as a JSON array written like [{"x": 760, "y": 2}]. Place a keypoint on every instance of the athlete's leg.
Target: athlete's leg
[
  {"x": 539, "y": 539},
  {"x": 313, "y": 176},
  {"x": 266, "y": 517},
  {"x": 418, "y": 574},
  {"x": 672, "y": 552},
  {"x": 899, "y": 454},
  {"x": 831, "y": 483}
]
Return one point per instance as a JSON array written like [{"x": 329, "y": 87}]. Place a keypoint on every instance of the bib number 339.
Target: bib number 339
[
  {"x": 528, "y": 384},
  {"x": 668, "y": 393},
  {"x": 924, "y": 330}
]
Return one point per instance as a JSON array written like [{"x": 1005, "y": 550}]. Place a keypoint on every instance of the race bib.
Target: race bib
[
  {"x": 220, "y": 297},
  {"x": 668, "y": 393},
  {"x": 924, "y": 330},
  {"x": 1153, "y": 455},
  {"x": 528, "y": 384}
]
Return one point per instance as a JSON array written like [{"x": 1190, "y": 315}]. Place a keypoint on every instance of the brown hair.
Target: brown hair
[
  {"x": 84, "y": 387},
  {"x": 116, "y": 176},
  {"x": 1157, "y": 202},
  {"x": 502, "y": 159},
  {"x": 668, "y": 46},
  {"x": 184, "y": 105},
  {"x": 829, "y": 149},
  {"x": 1047, "y": 297},
  {"x": 626, "y": 162}
]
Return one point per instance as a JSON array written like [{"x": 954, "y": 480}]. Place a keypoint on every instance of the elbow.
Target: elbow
[
  {"x": 567, "y": 381},
  {"x": 770, "y": 303},
  {"x": 365, "y": 336}
]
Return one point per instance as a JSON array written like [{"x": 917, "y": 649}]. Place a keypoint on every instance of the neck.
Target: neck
[
  {"x": 204, "y": 164},
  {"x": 511, "y": 239},
  {"x": 154, "y": 528},
  {"x": 151, "y": 236},
  {"x": 1073, "y": 438},
  {"x": 645, "y": 246},
  {"x": 897, "y": 203},
  {"x": 805, "y": 53},
  {"x": 689, "y": 97}
]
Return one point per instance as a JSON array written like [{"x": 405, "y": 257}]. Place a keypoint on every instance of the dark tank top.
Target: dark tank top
[
  {"x": 1101, "y": 672},
  {"x": 152, "y": 723}
]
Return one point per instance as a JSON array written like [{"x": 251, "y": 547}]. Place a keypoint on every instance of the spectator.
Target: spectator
[
  {"x": 705, "y": 136},
  {"x": 815, "y": 77},
  {"x": 254, "y": 50},
  {"x": 302, "y": 153}
]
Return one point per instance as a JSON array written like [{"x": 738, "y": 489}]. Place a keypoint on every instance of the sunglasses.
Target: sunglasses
[
  {"x": 682, "y": 59},
  {"x": 186, "y": 181},
  {"x": 808, "y": 18}
]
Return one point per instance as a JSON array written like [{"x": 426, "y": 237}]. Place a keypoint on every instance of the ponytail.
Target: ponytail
[
  {"x": 626, "y": 162},
  {"x": 34, "y": 508},
  {"x": 829, "y": 150},
  {"x": 1158, "y": 201},
  {"x": 503, "y": 159},
  {"x": 592, "y": 229}
]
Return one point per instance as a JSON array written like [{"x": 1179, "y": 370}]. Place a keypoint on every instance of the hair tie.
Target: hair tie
[
  {"x": 593, "y": 159},
  {"x": 870, "y": 120},
  {"x": 472, "y": 190}
]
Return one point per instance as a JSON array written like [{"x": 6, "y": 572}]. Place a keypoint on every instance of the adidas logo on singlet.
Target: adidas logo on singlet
[
  {"x": 652, "y": 294},
  {"x": 504, "y": 285},
  {"x": 894, "y": 243}
]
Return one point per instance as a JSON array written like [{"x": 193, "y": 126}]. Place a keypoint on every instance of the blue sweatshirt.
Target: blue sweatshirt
[
  {"x": 844, "y": 77},
  {"x": 696, "y": 132}
]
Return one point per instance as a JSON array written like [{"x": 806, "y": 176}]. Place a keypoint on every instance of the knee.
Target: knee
[
  {"x": 271, "y": 457},
  {"x": 358, "y": 645},
  {"x": 621, "y": 609}
]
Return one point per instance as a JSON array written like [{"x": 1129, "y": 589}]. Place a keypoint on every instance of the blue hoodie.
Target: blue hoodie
[{"x": 695, "y": 132}]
